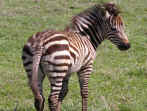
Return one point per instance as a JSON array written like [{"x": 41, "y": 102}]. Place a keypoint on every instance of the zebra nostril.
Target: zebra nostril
[{"x": 124, "y": 46}]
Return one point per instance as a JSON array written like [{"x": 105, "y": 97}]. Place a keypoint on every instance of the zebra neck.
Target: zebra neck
[
  {"x": 95, "y": 38},
  {"x": 95, "y": 42}
]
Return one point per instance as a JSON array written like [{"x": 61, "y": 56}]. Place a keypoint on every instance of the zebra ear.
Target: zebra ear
[
  {"x": 112, "y": 8},
  {"x": 107, "y": 14}
]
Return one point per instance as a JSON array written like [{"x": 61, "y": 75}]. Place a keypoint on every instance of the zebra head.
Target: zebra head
[
  {"x": 115, "y": 27},
  {"x": 101, "y": 22}
]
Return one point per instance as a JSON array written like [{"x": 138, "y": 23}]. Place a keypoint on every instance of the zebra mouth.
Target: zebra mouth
[{"x": 124, "y": 46}]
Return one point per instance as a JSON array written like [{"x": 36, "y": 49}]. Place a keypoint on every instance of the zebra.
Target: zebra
[{"x": 57, "y": 54}]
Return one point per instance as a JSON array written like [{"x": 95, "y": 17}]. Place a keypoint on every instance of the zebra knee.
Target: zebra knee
[{"x": 84, "y": 92}]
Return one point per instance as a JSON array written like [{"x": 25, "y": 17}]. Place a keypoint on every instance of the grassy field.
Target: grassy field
[{"x": 119, "y": 80}]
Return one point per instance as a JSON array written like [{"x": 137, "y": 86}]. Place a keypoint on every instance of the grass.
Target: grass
[{"x": 119, "y": 80}]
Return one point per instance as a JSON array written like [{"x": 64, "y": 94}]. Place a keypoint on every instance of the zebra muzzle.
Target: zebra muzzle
[{"x": 124, "y": 46}]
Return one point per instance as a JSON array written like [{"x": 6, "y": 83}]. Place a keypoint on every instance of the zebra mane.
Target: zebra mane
[{"x": 96, "y": 15}]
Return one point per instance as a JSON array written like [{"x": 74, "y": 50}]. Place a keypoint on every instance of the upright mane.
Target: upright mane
[{"x": 95, "y": 15}]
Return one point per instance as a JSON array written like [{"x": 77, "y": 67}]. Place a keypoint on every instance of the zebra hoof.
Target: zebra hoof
[{"x": 39, "y": 104}]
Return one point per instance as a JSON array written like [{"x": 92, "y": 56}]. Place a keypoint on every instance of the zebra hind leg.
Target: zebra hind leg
[
  {"x": 64, "y": 90},
  {"x": 38, "y": 102},
  {"x": 27, "y": 57},
  {"x": 54, "y": 99}
]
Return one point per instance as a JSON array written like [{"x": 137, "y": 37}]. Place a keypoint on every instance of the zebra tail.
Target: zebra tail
[
  {"x": 31, "y": 60},
  {"x": 36, "y": 61}
]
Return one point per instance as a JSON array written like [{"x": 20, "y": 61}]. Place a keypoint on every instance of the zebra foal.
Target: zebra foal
[{"x": 59, "y": 53}]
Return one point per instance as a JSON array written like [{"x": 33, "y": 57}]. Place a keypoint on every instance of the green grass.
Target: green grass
[{"x": 119, "y": 80}]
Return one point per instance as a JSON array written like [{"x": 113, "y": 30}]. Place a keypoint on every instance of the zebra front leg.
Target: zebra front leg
[
  {"x": 83, "y": 75},
  {"x": 84, "y": 93}
]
